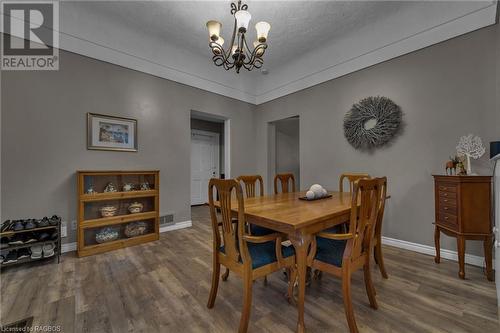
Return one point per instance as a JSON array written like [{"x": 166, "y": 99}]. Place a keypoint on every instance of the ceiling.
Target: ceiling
[
  {"x": 310, "y": 41},
  {"x": 297, "y": 26}
]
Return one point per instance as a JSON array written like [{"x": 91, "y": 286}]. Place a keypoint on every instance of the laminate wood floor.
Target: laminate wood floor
[{"x": 163, "y": 287}]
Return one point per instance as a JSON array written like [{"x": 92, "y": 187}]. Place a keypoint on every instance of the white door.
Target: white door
[{"x": 204, "y": 164}]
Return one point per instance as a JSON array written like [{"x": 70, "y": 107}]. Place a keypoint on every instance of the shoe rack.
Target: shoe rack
[{"x": 32, "y": 236}]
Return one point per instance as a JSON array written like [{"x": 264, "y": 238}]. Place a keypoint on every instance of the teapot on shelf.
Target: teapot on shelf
[{"x": 110, "y": 188}]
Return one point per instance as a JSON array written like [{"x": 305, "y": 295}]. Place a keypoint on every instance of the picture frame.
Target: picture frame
[{"x": 106, "y": 132}]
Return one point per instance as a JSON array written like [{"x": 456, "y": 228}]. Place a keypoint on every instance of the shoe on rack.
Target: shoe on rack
[
  {"x": 5, "y": 226},
  {"x": 23, "y": 253},
  {"x": 42, "y": 237},
  {"x": 54, "y": 235},
  {"x": 54, "y": 220},
  {"x": 17, "y": 240},
  {"x": 2, "y": 259},
  {"x": 30, "y": 224},
  {"x": 43, "y": 222},
  {"x": 4, "y": 243},
  {"x": 48, "y": 250},
  {"x": 11, "y": 257},
  {"x": 30, "y": 238},
  {"x": 36, "y": 251},
  {"x": 18, "y": 225}
]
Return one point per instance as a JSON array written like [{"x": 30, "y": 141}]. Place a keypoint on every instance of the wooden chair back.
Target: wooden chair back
[
  {"x": 285, "y": 179},
  {"x": 363, "y": 221},
  {"x": 250, "y": 185},
  {"x": 352, "y": 178},
  {"x": 380, "y": 215},
  {"x": 232, "y": 232}
]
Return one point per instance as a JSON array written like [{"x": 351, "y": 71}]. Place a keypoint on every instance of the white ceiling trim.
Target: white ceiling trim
[
  {"x": 453, "y": 28},
  {"x": 128, "y": 60}
]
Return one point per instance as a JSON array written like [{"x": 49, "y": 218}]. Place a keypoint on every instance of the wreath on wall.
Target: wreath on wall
[{"x": 372, "y": 122}]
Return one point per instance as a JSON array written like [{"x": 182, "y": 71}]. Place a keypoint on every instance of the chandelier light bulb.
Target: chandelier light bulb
[
  {"x": 242, "y": 20},
  {"x": 262, "y": 31},
  {"x": 214, "y": 28}
]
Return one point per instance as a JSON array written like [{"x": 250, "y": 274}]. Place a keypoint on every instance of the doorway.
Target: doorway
[
  {"x": 284, "y": 142},
  {"x": 209, "y": 153}
]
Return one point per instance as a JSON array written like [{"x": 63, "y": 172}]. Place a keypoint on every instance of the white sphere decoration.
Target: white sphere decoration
[
  {"x": 324, "y": 193},
  {"x": 317, "y": 189},
  {"x": 310, "y": 195}
]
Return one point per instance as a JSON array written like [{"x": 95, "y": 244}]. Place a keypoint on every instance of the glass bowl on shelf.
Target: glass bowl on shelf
[
  {"x": 134, "y": 229},
  {"x": 107, "y": 234}
]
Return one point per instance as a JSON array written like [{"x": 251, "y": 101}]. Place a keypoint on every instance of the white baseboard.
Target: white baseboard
[
  {"x": 69, "y": 247},
  {"x": 425, "y": 249},
  {"x": 176, "y": 226}
]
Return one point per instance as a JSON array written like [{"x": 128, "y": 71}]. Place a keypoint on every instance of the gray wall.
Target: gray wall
[
  {"x": 44, "y": 130},
  {"x": 445, "y": 91}
]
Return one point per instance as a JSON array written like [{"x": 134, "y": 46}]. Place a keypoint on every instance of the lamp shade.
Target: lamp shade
[
  {"x": 495, "y": 150},
  {"x": 262, "y": 31},
  {"x": 242, "y": 19},
  {"x": 214, "y": 29}
]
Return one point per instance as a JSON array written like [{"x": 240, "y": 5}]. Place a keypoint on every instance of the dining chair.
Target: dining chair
[
  {"x": 250, "y": 257},
  {"x": 352, "y": 178},
  {"x": 284, "y": 179},
  {"x": 343, "y": 254},
  {"x": 377, "y": 238},
  {"x": 250, "y": 183}
]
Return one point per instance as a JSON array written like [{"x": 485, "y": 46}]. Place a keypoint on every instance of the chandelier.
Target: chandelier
[{"x": 239, "y": 54}]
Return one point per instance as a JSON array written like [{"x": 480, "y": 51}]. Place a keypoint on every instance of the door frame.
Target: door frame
[{"x": 216, "y": 138}]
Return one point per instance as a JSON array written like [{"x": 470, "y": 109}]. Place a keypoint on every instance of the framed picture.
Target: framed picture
[{"x": 111, "y": 133}]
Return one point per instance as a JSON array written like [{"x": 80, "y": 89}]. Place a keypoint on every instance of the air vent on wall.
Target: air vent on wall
[{"x": 167, "y": 219}]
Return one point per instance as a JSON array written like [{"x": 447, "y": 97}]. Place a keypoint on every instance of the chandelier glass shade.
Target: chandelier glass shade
[{"x": 238, "y": 53}]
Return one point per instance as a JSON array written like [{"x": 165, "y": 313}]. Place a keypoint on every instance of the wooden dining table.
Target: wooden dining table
[{"x": 300, "y": 220}]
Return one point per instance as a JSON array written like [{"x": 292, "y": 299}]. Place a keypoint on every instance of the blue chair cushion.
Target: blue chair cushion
[
  {"x": 264, "y": 253},
  {"x": 260, "y": 231},
  {"x": 336, "y": 229},
  {"x": 330, "y": 251}
]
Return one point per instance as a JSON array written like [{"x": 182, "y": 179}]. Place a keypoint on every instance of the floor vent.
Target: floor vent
[{"x": 167, "y": 219}]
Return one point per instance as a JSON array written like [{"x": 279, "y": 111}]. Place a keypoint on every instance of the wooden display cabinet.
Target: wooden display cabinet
[{"x": 91, "y": 222}]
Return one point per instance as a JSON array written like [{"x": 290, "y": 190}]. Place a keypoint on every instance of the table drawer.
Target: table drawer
[
  {"x": 447, "y": 188},
  {"x": 447, "y": 218},
  {"x": 449, "y": 209},
  {"x": 450, "y": 195},
  {"x": 445, "y": 201}
]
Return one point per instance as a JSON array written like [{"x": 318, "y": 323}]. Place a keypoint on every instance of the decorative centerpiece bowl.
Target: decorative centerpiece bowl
[
  {"x": 108, "y": 211},
  {"x": 135, "y": 207},
  {"x": 105, "y": 235},
  {"x": 135, "y": 229}
]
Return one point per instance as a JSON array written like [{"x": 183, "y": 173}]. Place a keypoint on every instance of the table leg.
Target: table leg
[
  {"x": 461, "y": 256},
  {"x": 301, "y": 244},
  {"x": 488, "y": 249},
  {"x": 437, "y": 258}
]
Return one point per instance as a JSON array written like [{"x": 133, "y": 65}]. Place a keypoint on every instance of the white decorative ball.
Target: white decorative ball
[
  {"x": 310, "y": 195},
  {"x": 324, "y": 193},
  {"x": 317, "y": 189}
]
